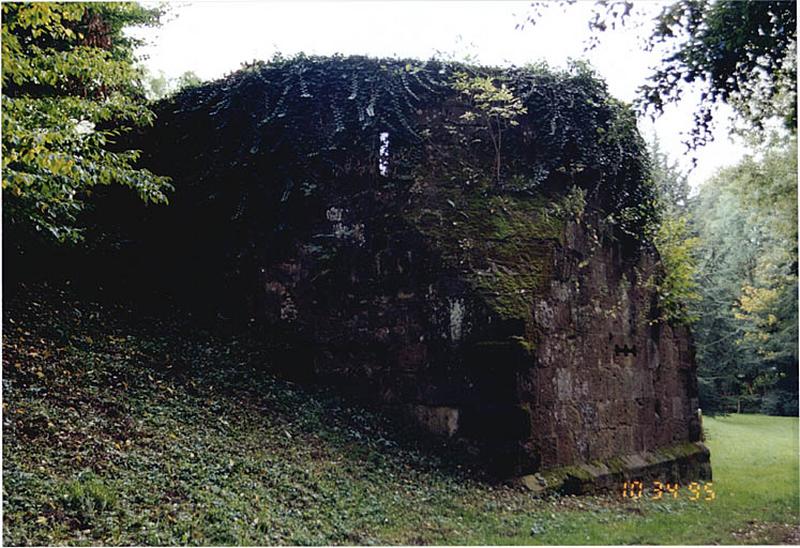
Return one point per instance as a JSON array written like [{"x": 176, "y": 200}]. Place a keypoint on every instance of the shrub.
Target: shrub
[
  {"x": 88, "y": 495},
  {"x": 780, "y": 402}
]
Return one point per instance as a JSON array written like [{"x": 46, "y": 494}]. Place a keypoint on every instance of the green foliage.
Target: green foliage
[
  {"x": 673, "y": 238},
  {"x": 69, "y": 90},
  {"x": 159, "y": 86},
  {"x": 678, "y": 287},
  {"x": 779, "y": 402},
  {"x": 767, "y": 303},
  {"x": 746, "y": 219},
  {"x": 742, "y": 53},
  {"x": 571, "y": 206},
  {"x": 88, "y": 495},
  {"x": 671, "y": 183},
  {"x": 188, "y": 79},
  {"x": 192, "y": 443},
  {"x": 495, "y": 106},
  {"x": 739, "y": 52},
  {"x": 308, "y": 120},
  {"x": 156, "y": 85}
]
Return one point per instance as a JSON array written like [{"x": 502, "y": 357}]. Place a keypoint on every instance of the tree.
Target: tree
[
  {"x": 188, "y": 79},
  {"x": 70, "y": 89},
  {"x": 495, "y": 106},
  {"x": 159, "y": 86},
  {"x": 767, "y": 305},
  {"x": 742, "y": 53},
  {"x": 156, "y": 86},
  {"x": 746, "y": 333},
  {"x": 670, "y": 182},
  {"x": 673, "y": 238}
]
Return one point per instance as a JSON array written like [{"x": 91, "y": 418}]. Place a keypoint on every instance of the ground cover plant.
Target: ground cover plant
[{"x": 123, "y": 428}]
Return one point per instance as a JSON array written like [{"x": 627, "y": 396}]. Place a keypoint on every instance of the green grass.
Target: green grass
[
  {"x": 755, "y": 466},
  {"x": 119, "y": 431}
]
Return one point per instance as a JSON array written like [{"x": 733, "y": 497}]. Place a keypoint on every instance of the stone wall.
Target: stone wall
[
  {"x": 573, "y": 369},
  {"x": 607, "y": 379},
  {"x": 353, "y": 207}
]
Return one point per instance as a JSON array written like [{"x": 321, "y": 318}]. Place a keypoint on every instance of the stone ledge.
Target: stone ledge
[{"x": 677, "y": 463}]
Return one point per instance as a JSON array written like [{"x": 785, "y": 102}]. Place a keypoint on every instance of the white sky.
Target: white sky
[{"x": 212, "y": 38}]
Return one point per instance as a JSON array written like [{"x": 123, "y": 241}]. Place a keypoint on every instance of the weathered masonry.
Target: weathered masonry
[{"x": 501, "y": 294}]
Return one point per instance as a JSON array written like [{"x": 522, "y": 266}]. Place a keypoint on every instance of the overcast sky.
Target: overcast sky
[{"x": 212, "y": 38}]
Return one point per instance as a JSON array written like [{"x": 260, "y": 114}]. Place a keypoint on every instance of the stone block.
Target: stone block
[{"x": 443, "y": 421}]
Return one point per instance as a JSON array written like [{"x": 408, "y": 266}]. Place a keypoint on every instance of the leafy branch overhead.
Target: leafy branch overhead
[
  {"x": 70, "y": 89},
  {"x": 741, "y": 53}
]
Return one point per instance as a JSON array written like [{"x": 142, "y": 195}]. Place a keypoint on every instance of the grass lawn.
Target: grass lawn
[
  {"x": 122, "y": 430},
  {"x": 755, "y": 465}
]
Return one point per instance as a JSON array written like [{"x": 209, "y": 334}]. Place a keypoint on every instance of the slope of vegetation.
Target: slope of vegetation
[{"x": 151, "y": 432}]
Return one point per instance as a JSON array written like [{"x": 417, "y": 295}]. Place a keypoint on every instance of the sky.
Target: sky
[{"x": 213, "y": 38}]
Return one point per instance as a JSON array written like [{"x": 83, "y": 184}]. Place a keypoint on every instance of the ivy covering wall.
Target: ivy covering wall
[
  {"x": 252, "y": 154},
  {"x": 315, "y": 117}
]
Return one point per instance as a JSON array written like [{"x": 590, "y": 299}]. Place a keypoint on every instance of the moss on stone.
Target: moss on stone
[
  {"x": 676, "y": 452},
  {"x": 502, "y": 244},
  {"x": 617, "y": 466},
  {"x": 555, "y": 477},
  {"x": 517, "y": 344},
  {"x": 614, "y": 464},
  {"x": 526, "y": 345}
]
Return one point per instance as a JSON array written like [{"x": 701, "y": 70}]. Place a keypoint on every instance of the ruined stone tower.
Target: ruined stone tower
[{"x": 350, "y": 202}]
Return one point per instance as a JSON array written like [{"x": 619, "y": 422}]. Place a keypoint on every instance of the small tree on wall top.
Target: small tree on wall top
[{"x": 494, "y": 106}]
